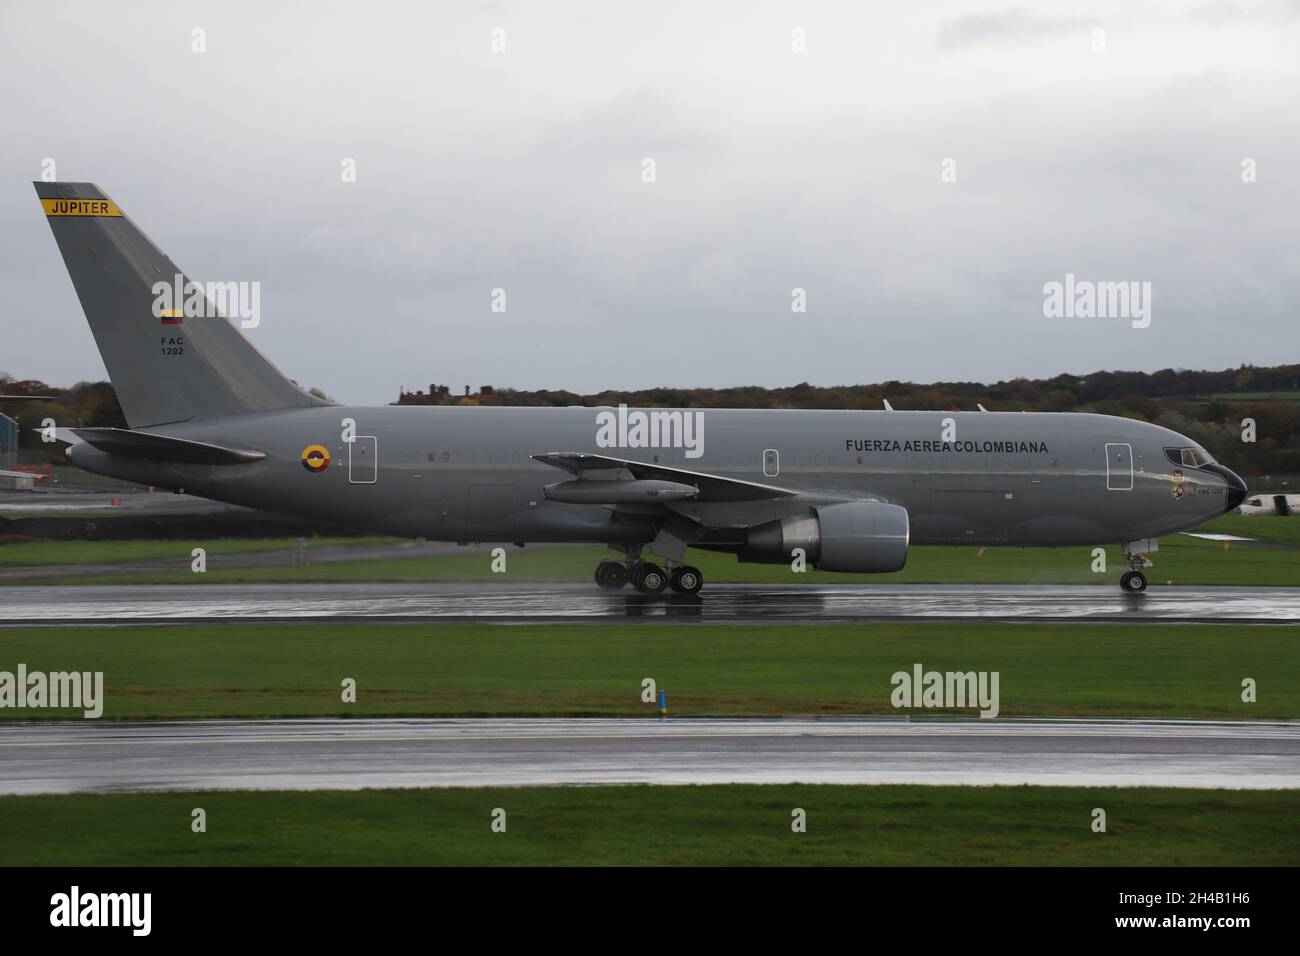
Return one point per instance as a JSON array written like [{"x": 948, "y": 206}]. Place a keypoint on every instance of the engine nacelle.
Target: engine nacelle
[{"x": 864, "y": 536}]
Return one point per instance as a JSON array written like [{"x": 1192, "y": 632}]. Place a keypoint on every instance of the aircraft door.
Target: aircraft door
[
  {"x": 1119, "y": 466},
  {"x": 363, "y": 460}
]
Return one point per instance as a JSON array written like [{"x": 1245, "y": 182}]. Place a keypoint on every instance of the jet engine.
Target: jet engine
[{"x": 867, "y": 536}]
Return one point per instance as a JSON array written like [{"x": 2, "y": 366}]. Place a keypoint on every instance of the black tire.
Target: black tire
[
  {"x": 611, "y": 575},
  {"x": 686, "y": 580},
  {"x": 649, "y": 578},
  {"x": 1133, "y": 582}
]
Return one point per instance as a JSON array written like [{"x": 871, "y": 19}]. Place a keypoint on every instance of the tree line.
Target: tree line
[{"x": 1207, "y": 406}]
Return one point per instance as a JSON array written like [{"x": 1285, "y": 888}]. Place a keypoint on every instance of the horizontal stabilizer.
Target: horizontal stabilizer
[
  {"x": 65, "y": 435},
  {"x": 132, "y": 444}
]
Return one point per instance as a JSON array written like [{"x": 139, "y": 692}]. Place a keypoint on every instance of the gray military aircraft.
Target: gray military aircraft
[{"x": 836, "y": 490}]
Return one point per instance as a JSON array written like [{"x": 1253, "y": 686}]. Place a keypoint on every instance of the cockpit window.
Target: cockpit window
[{"x": 1189, "y": 457}]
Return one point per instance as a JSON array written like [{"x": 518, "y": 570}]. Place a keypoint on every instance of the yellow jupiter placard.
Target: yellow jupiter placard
[{"x": 80, "y": 207}]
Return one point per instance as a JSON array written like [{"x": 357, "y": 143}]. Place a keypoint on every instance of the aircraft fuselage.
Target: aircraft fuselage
[{"x": 456, "y": 473}]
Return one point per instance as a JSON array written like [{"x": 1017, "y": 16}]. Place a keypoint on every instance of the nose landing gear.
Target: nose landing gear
[{"x": 1133, "y": 581}]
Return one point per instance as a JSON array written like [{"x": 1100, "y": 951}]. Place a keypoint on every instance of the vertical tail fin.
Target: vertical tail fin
[{"x": 165, "y": 368}]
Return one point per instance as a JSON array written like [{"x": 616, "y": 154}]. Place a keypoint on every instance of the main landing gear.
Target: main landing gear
[
  {"x": 686, "y": 579},
  {"x": 648, "y": 577},
  {"x": 611, "y": 574}
]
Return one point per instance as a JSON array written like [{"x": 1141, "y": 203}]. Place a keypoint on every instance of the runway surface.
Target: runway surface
[
  {"x": 353, "y": 754},
  {"x": 720, "y": 603}
]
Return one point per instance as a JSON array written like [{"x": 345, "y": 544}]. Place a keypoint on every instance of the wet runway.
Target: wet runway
[
  {"x": 353, "y": 754},
  {"x": 720, "y": 603}
]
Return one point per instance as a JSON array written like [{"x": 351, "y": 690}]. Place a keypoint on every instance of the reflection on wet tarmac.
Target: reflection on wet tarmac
[
  {"x": 749, "y": 603},
  {"x": 62, "y": 757}
]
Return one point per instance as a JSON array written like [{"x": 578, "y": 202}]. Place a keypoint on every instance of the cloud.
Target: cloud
[
  {"x": 775, "y": 171},
  {"x": 1220, "y": 12},
  {"x": 1013, "y": 24}
]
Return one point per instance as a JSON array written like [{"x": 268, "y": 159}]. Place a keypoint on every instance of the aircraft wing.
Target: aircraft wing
[{"x": 711, "y": 487}]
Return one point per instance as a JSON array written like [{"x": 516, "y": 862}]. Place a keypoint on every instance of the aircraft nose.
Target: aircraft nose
[{"x": 1236, "y": 487}]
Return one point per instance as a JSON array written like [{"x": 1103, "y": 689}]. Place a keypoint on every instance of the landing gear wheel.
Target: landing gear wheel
[
  {"x": 1133, "y": 582},
  {"x": 686, "y": 580},
  {"x": 649, "y": 578},
  {"x": 611, "y": 575}
]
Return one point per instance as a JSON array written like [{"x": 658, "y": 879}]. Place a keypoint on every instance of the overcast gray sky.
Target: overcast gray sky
[{"x": 775, "y": 170}]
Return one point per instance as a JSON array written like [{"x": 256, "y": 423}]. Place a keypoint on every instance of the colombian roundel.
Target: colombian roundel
[{"x": 315, "y": 458}]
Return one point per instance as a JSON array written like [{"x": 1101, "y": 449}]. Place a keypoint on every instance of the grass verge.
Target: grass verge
[
  {"x": 433, "y": 669},
  {"x": 724, "y": 825}
]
